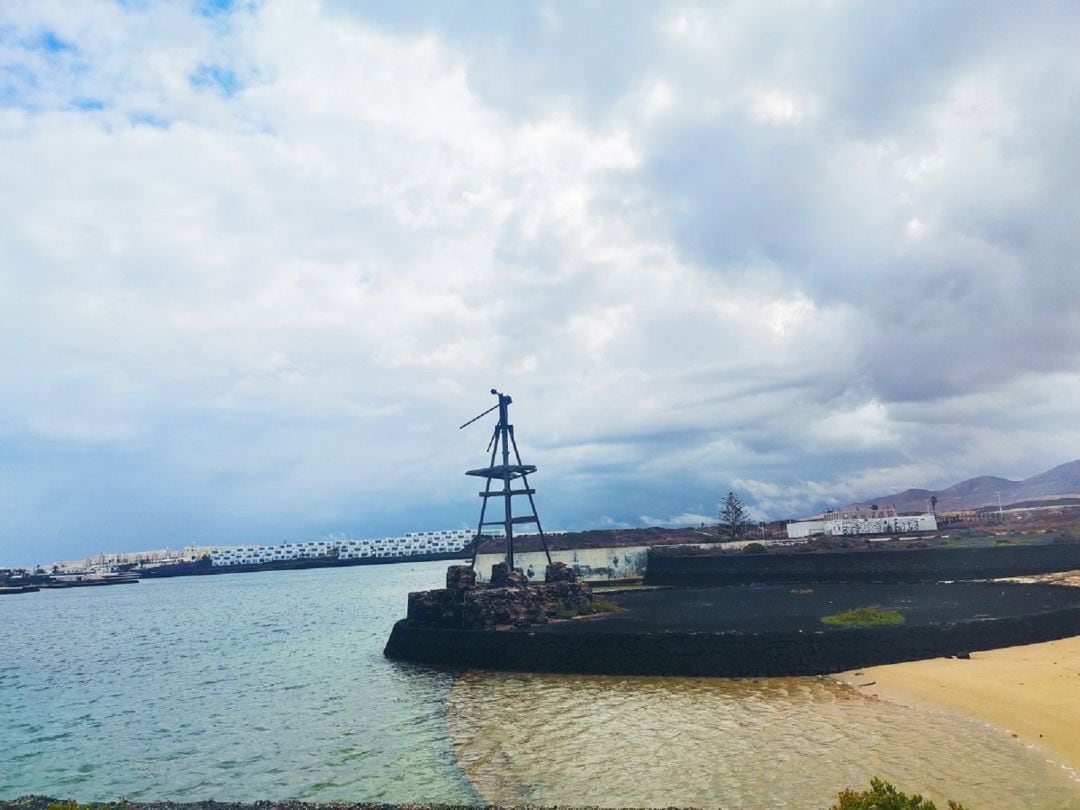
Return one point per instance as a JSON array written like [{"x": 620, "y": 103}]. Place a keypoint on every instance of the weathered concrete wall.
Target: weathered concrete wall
[
  {"x": 870, "y": 565},
  {"x": 591, "y": 564},
  {"x": 736, "y": 654}
]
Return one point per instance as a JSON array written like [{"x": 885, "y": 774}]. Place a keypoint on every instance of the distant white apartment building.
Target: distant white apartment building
[
  {"x": 411, "y": 544},
  {"x": 847, "y": 525}
]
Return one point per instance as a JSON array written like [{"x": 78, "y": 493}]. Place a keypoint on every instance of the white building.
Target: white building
[
  {"x": 412, "y": 544},
  {"x": 848, "y": 525}
]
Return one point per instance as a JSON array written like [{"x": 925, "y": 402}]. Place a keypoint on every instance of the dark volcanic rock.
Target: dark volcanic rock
[
  {"x": 521, "y": 607},
  {"x": 460, "y": 578},
  {"x": 854, "y": 565},
  {"x": 718, "y": 632},
  {"x": 486, "y": 608},
  {"x": 502, "y": 577},
  {"x": 560, "y": 572},
  {"x": 440, "y": 608}
]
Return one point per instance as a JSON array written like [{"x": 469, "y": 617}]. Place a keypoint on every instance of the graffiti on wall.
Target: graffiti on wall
[{"x": 591, "y": 564}]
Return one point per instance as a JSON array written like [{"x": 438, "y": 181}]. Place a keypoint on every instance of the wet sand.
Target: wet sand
[{"x": 1032, "y": 692}]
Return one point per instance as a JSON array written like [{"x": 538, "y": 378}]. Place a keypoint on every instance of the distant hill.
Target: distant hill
[{"x": 1061, "y": 481}]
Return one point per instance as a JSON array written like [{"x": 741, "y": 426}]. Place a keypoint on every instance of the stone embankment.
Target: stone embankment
[
  {"x": 601, "y": 647},
  {"x": 746, "y": 630}
]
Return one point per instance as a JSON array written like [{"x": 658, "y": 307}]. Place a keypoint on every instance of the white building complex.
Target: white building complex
[
  {"x": 854, "y": 523},
  {"x": 413, "y": 544}
]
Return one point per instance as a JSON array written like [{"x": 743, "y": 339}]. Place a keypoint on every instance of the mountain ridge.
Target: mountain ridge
[{"x": 983, "y": 490}]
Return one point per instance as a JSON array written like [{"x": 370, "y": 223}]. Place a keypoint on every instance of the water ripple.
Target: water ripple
[
  {"x": 633, "y": 742},
  {"x": 274, "y": 686},
  {"x": 232, "y": 687}
]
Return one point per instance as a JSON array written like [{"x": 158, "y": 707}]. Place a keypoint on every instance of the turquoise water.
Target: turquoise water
[
  {"x": 231, "y": 687},
  {"x": 273, "y": 686}
]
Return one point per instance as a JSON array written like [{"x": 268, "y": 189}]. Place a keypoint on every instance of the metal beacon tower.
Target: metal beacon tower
[{"x": 502, "y": 440}]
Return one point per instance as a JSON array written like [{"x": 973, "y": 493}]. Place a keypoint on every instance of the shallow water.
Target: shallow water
[
  {"x": 777, "y": 742},
  {"x": 273, "y": 685},
  {"x": 239, "y": 686}
]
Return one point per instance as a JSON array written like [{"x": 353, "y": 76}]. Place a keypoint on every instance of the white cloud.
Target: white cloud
[
  {"x": 776, "y": 107},
  {"x": 867, "y": 425}
]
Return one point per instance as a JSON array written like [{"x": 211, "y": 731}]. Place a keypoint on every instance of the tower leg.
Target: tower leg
[
  {"x": 532, "y": 503},
  {"x": 508, "y": 510},
  {"x": 483, "y": 507}
]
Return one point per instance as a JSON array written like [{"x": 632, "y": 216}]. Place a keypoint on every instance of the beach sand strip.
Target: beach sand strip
[{"x": 1032, "y": 691}]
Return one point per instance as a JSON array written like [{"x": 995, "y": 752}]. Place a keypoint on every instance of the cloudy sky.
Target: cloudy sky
[{"x": 258, "y": 260}]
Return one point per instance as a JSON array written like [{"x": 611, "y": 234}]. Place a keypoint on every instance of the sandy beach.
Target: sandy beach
[{"x": 1032, "y": 692}]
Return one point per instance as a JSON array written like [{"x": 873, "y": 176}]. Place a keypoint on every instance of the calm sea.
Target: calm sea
[{"x": 273, "y": 685}]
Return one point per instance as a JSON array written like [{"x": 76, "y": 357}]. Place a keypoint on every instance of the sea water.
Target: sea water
[{"x": 273, "y": 686}]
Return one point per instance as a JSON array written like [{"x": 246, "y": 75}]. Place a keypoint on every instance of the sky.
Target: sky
[{"x": 259, "y": 260}]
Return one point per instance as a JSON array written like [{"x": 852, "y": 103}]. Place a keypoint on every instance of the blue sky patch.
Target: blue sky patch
[
  {"x": 51, "y": 43},
  {"x": 146, "y": 119},
  {"x": 213, "y": 8},
  {"x": 216, "y": 77},
  {"x": 15, "y": 82}
]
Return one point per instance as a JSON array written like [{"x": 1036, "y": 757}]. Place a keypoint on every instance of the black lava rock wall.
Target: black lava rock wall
[
  {"x": 735, "y": 654},
  {"x": 871, "y": 565}
]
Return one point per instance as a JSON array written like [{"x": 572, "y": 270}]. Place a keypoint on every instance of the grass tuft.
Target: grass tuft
[
  {"x": 590, "y": 608},
  {"x": 868, "y": 616}
]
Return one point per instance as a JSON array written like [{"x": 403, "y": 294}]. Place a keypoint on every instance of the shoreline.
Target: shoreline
[{"x": 1031, "y": 692}]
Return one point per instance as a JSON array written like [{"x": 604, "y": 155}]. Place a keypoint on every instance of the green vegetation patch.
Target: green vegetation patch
[
  {"x": 868, "y": 616},
  {"x": 587, "y": 609},
  {"x": 883, "y": 796}
]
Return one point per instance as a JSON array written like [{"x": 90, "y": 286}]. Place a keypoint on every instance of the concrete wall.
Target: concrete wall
[
  {"x": 727, "y": 655},
  {"x": 805, "y": 528},
  {"x": 870, "y": 565},
  {"x": 591, "y": 564}
]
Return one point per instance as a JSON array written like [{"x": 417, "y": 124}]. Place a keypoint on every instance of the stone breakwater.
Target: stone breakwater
[
  {"x": 751, "y": 631},
  {"x": 729, "y": 655}
]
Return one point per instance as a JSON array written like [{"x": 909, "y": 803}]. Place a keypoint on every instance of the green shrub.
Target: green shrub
[
  {"x": 883, "y": 796},
  {"x": 754, "y": 548},
  {"x": 868, "y": 616}
]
